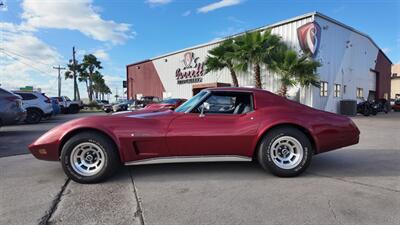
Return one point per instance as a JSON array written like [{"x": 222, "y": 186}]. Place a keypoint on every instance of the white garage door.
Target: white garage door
[{"x": 372, "y": 81}]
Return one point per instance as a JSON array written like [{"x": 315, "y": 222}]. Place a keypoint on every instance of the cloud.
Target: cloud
[
  {"x": 75, "y": 15},
  {"x": 26, "y": 60},
  {"x": 218, "y": 5},
  {"x": 3, "y": 6},
  {"x": 157, "y": 2},
  {"x": 229, "y": 31},
  {"x": 101, "y": 54},
  {"x": 186, "y": 13}
]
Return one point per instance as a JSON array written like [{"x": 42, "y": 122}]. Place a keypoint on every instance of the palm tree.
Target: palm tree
[
  {"x": 90, "y": 64},
  {"x": 293, "y": 70},
  {"x": 221, "y": 57},
  {"x": 99, "y": 86},
  {"x": 253, "y": 49},
  {"x": 69, "y": 74}
]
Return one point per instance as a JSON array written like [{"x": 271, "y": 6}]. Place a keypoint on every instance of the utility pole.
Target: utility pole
[
  {"x": 74, "y": 70},
  {"x": 59, "y": 68}
]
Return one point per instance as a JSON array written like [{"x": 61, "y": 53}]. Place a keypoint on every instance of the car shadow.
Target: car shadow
[{"x": 343, "y": 163}]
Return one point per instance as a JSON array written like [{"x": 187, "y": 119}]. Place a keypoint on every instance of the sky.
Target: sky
[{"x": 37, "y": 35}]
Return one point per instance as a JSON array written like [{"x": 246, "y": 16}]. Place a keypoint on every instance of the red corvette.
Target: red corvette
[{"x": 216, "y": 124}]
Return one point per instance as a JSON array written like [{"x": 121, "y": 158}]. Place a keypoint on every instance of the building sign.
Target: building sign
[
  {"x": 309, "y": 36},
  {"x": 192, "y": 70}
]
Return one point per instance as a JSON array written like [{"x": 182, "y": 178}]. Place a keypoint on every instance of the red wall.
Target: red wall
[
  {"x": 142, "y": 78},
  {"x": 383, "y": 69}
]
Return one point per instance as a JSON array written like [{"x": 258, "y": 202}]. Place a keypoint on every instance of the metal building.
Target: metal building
[{"x": 353, "y": 66}]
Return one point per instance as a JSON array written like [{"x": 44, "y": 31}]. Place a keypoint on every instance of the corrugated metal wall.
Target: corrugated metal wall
[
  {"x": 346, "y": 58},
  {"x": 167, "y": 66}
]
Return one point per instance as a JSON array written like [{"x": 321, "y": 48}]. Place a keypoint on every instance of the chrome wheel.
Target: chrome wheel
[
  {"x": 286, "y": 152},
  {"x": 87, "y": 159}
]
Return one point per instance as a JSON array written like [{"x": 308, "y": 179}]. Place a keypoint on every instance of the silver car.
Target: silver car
[{"x": 11, "y": 110}]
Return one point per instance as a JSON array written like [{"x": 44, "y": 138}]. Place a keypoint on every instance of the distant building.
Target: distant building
[
  {"x": 353, "y": 66},
  {"x": 395, "y": 81}
]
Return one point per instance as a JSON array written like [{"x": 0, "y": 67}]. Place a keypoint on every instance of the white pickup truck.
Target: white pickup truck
[{"x": 68, "y": 106}]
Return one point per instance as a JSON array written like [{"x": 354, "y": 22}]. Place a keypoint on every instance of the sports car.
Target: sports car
[{"x": 218, "y": 124}]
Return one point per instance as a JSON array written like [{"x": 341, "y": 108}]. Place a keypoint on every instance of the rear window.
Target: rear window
[{"x": 26, "y": 96}]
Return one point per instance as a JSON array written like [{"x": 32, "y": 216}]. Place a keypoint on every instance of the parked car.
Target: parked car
[
  {"x": 122, "y": 105},
  {"x": 56, "y": 105},
  {"x": 396, "y": 106},
  {"x": 171, "y": 103},
  {"x": 37, "y": 105},
  {"x": 11, "y": 110},
  {"x": 108, "y": 108},
  {"x": 145, "y": 100},
  {"x": 282, "y": 135},
  {"x": 68, "y": 106}
]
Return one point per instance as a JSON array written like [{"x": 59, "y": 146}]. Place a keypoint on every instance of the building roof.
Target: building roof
[{"x": 280, "y": 23}]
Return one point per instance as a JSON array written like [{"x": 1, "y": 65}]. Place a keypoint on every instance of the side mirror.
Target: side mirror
[{"x": 203, "y": 107}]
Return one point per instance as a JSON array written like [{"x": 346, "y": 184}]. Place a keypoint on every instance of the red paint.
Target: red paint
[
  {"x": 383, "y": 69},
  {"x": 143, "y": 79},
  {"x": 146, "y": 134},
  {"x": 162, "y": 105}
]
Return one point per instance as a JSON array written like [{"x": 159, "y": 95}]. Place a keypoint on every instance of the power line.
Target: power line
[
  {"x": 27, "y": 64},
  {"x": 22, "y": 56}
]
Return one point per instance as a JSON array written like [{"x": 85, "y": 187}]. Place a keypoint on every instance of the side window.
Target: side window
[
  {"x": 221, "y": 104},
  {"x": 26, "y": 96},
  {"x": 227, "y": 103}
]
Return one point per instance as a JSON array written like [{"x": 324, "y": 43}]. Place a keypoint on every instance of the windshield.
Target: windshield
[{"x": 191, "y": 102}]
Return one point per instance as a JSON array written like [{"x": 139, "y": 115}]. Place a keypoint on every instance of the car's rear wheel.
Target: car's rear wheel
[
  {"x": 73, "y": 109},
  {"x": 33, "y": 116},
  {"x": 89, "y": 157},
  {"x": 285, "y": 152}
]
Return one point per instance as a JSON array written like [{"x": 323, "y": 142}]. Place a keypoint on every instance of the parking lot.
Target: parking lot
[{"x": 355, "y": 185}]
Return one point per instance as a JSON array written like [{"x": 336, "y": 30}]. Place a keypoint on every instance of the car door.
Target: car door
[{"x": 221, "y": 133}]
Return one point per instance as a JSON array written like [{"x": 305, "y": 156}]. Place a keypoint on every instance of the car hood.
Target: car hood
[{"x": 159, "y": 106}]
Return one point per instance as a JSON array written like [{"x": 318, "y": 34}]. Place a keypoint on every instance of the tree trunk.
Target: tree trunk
[
  {"x": 78, "y": 97},
  {"x": 90, "y": 86},
  {"x": 87, "y": 87},
  {"x": 283, "y": 90},
  {"x": 257, "y": 76},
  {"x": 234, "y": 77}
]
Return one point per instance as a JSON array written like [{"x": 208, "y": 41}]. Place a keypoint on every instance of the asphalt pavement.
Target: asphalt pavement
[
  {"x": 15, "y": 139},
  {"x": 359, "y": 184}
]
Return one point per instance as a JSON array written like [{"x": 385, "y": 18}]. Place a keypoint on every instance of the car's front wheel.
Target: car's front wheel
[
  {"x": 285, "y": 152},
  {"x": 89, "y": 157}
]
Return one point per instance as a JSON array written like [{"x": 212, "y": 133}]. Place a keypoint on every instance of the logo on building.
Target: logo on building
[
  {"x": 192, "y": 70},
  {"x": 309, "y": 36}
]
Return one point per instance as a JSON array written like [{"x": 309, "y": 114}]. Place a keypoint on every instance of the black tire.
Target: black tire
[
  {"x": 265, "y": 150},
  {"x": 73, "y": 109},
  {"x": 104, "y": 143},
  {"x": 366, "y": 111},
  {"x": 33, "y": 116}
]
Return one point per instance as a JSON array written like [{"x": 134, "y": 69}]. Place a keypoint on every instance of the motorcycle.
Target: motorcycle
[
  {"x": 367, "y": 108},
  {"x": 382, "y": 105}
]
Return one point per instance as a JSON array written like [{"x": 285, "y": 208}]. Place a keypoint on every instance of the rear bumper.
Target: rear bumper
[{"x": 14, "y": 118}]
